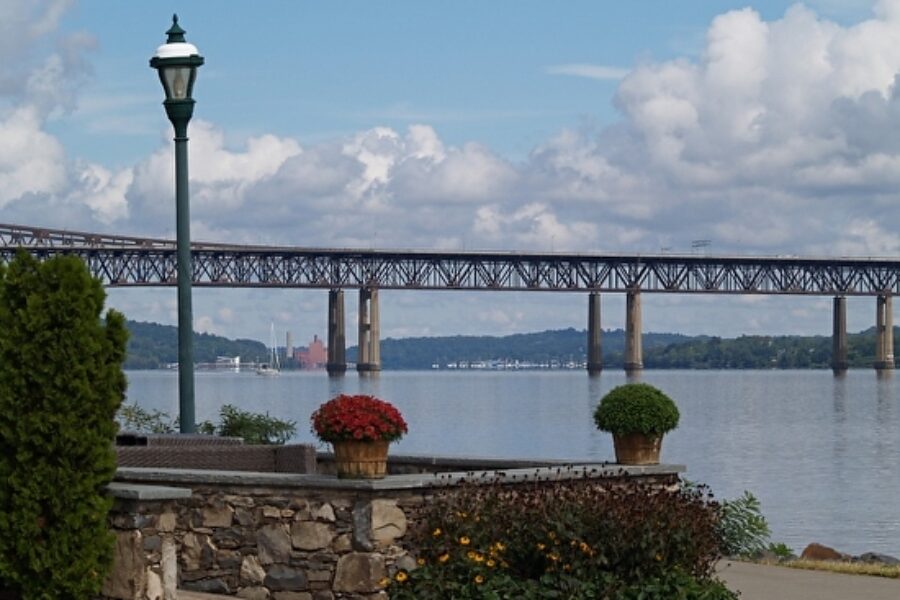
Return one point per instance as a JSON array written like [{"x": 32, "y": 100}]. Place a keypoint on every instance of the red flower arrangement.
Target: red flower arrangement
[{"x": 357, "y": 418}]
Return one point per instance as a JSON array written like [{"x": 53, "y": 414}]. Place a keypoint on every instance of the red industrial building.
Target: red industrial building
[{"x": 314, "y": 357}]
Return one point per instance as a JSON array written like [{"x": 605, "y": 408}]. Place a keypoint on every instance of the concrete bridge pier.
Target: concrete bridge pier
[
  {"x": 839, "y": 362},
  {"x": 337, "y": 342},
  {"x": 369, "y": 358},
  {"x": 594, "y": 345},
  {"x": 634, "y": 357},
  {"x": 884, "y": 333}
]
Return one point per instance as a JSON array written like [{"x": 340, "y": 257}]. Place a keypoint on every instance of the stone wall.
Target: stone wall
[{"x": 292, "y": 537}]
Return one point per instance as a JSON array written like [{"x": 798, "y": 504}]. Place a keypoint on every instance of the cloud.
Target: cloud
[
  {"x": 588, "y": 71},
  {"x": 781, "y": 137}
]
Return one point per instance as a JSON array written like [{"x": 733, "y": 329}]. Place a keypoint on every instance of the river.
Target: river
[{"x": 821, "y": 453}]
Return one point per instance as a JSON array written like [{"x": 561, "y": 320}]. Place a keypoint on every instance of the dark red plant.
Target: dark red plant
[{"x": 357, "y": 417}]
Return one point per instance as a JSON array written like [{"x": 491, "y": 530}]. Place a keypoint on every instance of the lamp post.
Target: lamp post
[{"x": 177, "y": 62}]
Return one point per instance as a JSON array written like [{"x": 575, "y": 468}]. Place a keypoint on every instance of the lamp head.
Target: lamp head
[{"x": 177, "y": 62}]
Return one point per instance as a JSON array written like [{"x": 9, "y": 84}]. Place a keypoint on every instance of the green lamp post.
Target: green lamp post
[{"x": 176, "y": 62}]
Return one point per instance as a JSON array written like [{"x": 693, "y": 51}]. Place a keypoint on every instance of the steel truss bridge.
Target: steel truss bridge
[{"x": 122, "y": 261}]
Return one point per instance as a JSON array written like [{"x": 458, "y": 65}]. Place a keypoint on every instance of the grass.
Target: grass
[{"x": 833, "y": 566}]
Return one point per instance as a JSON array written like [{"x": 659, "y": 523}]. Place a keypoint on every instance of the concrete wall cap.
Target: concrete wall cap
[{"x": 133, "y": 491}]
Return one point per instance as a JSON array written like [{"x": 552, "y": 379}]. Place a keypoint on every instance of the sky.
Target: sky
[{"x": 765, "y": 127}]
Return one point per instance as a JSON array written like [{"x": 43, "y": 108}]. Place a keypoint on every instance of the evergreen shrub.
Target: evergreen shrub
[
  {"x": 636, "y": 408},
  {"x": 61, "y": 383}
]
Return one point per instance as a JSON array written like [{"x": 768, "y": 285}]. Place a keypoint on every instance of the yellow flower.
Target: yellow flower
[
  {"x": 490, "y": 563},
  {"x": 437, "y": 532},
  {"x": 420, "y": 561},
  {"x": 553, "y": 557},
  {"x": 658, "y": 557},
  {"x": 479, "y": 557},
  {"x": 471, "y": 554},
  {"x": 499, "y": 547},
  {"x": 461, "y": 515},
  {"x": 584, "y": 547},
  {"x": 464, "y": 540},
  {"x": 541, "y": 546},
  {"x": 444, "y": 557},
  {"x": 479, "y": 579},
  {"x": 401, "y": 576},
  {"x": 384, "y": 582}
]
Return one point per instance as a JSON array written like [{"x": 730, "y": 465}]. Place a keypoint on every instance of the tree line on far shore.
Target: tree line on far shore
[{"x": 152, "y": 346}]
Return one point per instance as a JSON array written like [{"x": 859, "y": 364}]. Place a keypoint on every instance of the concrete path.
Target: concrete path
[{"x": 763, "y": 582}]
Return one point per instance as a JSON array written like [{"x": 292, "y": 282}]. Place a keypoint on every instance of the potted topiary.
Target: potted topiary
[
  {"x": 359, "y": 428},
  {"x": 637, "y": 415}
]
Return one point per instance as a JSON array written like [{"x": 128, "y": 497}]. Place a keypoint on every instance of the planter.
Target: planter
[
  {"x": 361, "y": 460},
  {"x": 637, "y": 448}
]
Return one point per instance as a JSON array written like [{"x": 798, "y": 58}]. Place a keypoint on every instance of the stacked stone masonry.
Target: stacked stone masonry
[{"x": 262, "y": 542}]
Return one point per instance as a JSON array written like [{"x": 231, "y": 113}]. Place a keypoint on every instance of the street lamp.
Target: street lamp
[{"x": 177, "y": 62}]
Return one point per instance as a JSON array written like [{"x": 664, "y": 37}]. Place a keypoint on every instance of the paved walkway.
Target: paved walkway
[{"x": 763, "y": 582}]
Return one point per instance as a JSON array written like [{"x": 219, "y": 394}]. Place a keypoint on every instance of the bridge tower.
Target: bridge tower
[
  {"x": 594, "y": 344},
  {"x": 884, "y": 333},
  {"x": 337, "y": 343},
  {"x": 369, "y": 358},
  {"x": 634, "y": 357},
  {"x": 839, "y": 336}
]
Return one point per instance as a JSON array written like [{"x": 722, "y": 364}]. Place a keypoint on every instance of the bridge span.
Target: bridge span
[{"x": 128, "y": 261}]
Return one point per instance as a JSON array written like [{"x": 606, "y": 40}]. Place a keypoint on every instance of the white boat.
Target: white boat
[{"x": 272, "y": 367}]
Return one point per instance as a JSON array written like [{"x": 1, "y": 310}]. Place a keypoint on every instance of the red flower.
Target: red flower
[{"x": 357, "y": 417}]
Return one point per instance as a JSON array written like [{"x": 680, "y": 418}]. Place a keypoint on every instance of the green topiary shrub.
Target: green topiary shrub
[
  {"x": 636, "y": 408},
  {"x": 61, "y": 382}
]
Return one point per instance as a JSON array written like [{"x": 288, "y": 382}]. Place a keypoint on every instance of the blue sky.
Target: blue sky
[{"x": 766, "y": 127}]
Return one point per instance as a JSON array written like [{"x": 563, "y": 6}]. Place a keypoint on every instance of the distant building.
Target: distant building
[{"x": 314, "y": 357}]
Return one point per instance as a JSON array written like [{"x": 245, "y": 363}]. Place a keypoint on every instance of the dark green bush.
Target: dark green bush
[
  {"x": 255, "y": 428},
  {"x": 636, "y": 408},
  {"x": 61, "y": 383},
  {"x": 132, "y": 417},
  {"x": 604, "y": 539},
  {"x": 744, "y": 529}
]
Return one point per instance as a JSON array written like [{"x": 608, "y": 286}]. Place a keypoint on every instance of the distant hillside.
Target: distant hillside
[
  {"x": 562, "y": 345},
  {"x": 152, "y": 346}
]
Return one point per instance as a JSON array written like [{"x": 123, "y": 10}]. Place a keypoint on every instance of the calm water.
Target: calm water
[{"x": 822, "y": 454}]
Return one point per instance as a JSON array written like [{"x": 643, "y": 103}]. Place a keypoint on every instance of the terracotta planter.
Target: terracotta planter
[
  {"x": 361, "y": 460},
  {"x": 637, "y": 448}
]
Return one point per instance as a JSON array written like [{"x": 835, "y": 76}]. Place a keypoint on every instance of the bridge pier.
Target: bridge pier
[
  {"x": 369, "y": 358},
  {"x": 884, "y": 333},
  {"x": 839, "y": 362},
  {"x": 594, "y": 345},
  {"x": 634, "y": 360},
  {"x": 337, "y": 342}
]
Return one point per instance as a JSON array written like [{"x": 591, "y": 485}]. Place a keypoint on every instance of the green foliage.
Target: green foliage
[
  {"x": 573, "y": 540},
  {"x": 61, "y": 383},
  {"x": 781, "y": 551},
  {"x": 636, "y": 408},
  {"x": 743, "y": 527},
  {"x": 255, "y": 428},
  {"x": 152, "y": 346},
  {"x": 132, "y": 417}
]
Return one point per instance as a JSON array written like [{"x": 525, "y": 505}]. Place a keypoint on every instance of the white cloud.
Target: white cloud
[
  {"x": 783, "y": 137},
  {"x": 588, "y": 70}
]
